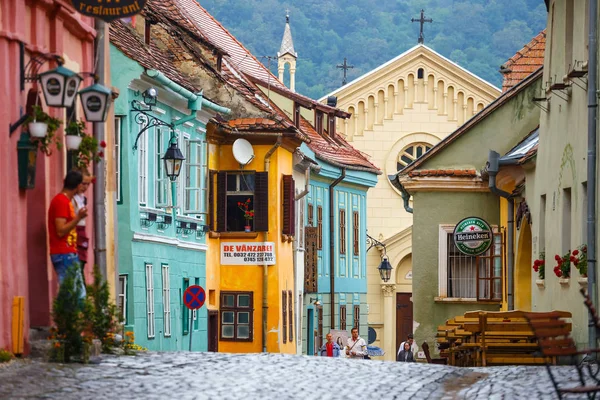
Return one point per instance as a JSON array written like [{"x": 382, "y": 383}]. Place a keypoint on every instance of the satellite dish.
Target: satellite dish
[{"x": 242, "y": 151}]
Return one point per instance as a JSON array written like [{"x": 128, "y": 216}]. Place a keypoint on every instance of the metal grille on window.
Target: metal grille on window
[
  {"x": 319, "y": 227},
  {"x": 357, "y": 317},
  {"x": 342, "y": 223},
  {"x": 355, "y": 232},
  {"x": 166, "y": 300},
  {"x": 411, "y": 153},
  {"x": 150, "y": 300}
]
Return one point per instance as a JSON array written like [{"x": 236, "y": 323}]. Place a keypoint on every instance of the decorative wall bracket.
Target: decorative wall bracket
[
  {"x": 145, "y": 119},
  {"x": 148, "y": 219},
  {"x": 165, "y": 222},
  {"x": 372, "y": 242}
]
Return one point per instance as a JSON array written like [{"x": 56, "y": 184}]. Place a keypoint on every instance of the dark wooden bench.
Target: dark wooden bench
[
  {"x": 425, "y": 347},
  {"x": 552, "y": 333}
]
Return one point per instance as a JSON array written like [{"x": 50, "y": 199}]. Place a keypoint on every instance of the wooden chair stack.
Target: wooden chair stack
[{"x": 482, "y": 338}]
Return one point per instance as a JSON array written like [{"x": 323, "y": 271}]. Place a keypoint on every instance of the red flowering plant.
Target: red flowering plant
[
  {"x": 245, "y": 207},
  {"x": 539, "y": 265},
  {"x": 579, "y": 259},
  {"x": 562, "y": 269}
]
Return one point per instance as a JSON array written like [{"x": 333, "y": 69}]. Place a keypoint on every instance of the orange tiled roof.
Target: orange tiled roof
[
  {"x": 464, "y": 173},
  {"x": 526, "y": 61}
]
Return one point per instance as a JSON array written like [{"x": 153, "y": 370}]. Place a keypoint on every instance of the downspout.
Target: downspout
[
  {"x": 332, "y": 246},
  {"x": 591, "y": 164},
  {"x": 492, "y": 169},
  {"x": 99, "y": 168},
  {"x": 265, "y": 303},
  {"x": 406, "y": 198}
]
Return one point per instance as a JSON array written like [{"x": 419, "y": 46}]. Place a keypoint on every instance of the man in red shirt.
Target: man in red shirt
[
  {"x": 330, "y": 349},
  {"x": 62, "y": 222}
]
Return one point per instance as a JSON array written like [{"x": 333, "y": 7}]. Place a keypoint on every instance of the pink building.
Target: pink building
[{"x": 41, "y": 29}]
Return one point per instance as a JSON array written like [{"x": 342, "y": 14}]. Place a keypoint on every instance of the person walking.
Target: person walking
[
  {"x": 357, "y": 347},
  {"x": 330, "y": 349},
  {"x": 405, "y": 354},
  {"x": 80, "y": 201},
  {"x": 62, "y": 233},
  {"x": 414, "y": 348}
]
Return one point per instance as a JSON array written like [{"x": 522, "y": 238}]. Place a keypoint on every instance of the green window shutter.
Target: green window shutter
[
  {"x": 261, "y": 202},
  {"x": 221, "y": 201},
  {"x": 186, "y": 312}
]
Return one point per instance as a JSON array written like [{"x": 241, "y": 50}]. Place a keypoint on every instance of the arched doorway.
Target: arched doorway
[
  {"x": 523, "y": 268},
  {"x": 404, "y": 305}
]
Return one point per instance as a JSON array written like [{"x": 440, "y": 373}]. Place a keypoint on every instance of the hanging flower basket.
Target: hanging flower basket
[
  {"x": 42, "y": 129},
  {"x": 74, "y": 134},
  {"x": 73, "y": 142},
  {"x": 38, "y": 129}
]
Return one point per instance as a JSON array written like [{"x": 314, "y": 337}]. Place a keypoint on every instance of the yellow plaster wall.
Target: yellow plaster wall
[{"x": 250, "y": 278}]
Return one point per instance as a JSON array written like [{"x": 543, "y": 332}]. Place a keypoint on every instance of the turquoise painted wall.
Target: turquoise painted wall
[{"x": 142, "y": 243}]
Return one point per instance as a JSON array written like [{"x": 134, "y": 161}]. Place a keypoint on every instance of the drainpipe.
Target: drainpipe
[
  {"x": 591, "y": 164},
  {"x": 406, "y": 198},
  {"x": 99, "y": 168},
  {"x": 265, "y": 303},
  {"x": 492, "y": 169},
  {"x": 332, "y": 246}
]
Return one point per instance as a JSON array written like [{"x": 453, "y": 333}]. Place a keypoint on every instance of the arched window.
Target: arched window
[
  {"x": 410, "y": 153},
  {"x": 420, "y": 73}
]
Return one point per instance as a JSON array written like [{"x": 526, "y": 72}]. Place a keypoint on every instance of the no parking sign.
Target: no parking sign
[{"x": 193, "y": 298}]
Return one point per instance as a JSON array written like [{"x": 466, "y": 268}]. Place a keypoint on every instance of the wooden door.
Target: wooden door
[
  {"x": 213, "y": 331},
  {"x": 404, "y": 317},
  {"x": 310, "y": 333}
]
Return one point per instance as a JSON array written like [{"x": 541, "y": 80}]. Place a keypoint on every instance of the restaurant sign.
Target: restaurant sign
[
  {"x": 473, "y": 236},
  {"x": 247, "y": 253},
  {"x": 107, "y": 10}
]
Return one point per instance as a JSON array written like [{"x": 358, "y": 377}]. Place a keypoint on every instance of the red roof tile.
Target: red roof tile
[{"x": 526, "y": 61}]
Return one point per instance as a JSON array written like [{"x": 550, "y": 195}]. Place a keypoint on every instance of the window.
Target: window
[
  {"x": 542, "y": 232},
  {"x": 420, "y": 73},
  {"x": 297, "y": 116},
  {"x": 166, "y": 298},
  {"x": 319, "y": 122},
  {"x": 568, "y": 46},
  {"x": 142, "y": 171},
  {"x": 319, "y": 327},
  {"x": 291, "y": 314},
  {"x": 310, "y": 260},
  {"x": 343, "y": 317},
  {"x": 150, "y": 300},
  {"x": 566, "y": 221},
  {"x": 411, "y": 153},
  {"x": 584, "y": 212},
  {"x": 186, "y": 311},
  {"x": 468, "y": 277},
  {"x": 236, "y": 316},
  {"x": 284, "y": 311},
  {"x": 300, "y": 225},
  {"x": 238, "y": 187},
  {"x": 319, "y": 227},
  {"x": 356, "y": 232},
  {"x": 122, "y": 298},
  {"x": 311, "y": 215},
  {"x": 357, "y": 317},
  {"x": 342, "y": 223},
  {"x": 194, "y": 188},
  {"x": 289, "y": 205},
  {"x": 162, "y": 181},
  {"x": 180, "y": 183},
  {"x": 117, "y": 149}
]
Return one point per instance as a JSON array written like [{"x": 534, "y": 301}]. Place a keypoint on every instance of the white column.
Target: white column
[
  {"x": 455, "y": 102},
  {"x": 355, "y": 125},
  {"x": 445, "y": 105},
  {"x": 425, "y": 91},
  {"x": 388, "y": 291},
  {"x": 464, "y": 107},
  {"x": 281, "y": 71},
  {"x": 346, "y": 133},
  {"x": 405, "y": 97},
  {"x": 416, "y": 94},
  {"x": 293, "y": 79},
  {"x": 366, "y": 119},
  {"x": 385, "y": 107},
  {"x": 435, "y": 98},
  {"x": 376, "y": 113},
  {"x": 396, "y": 101}
]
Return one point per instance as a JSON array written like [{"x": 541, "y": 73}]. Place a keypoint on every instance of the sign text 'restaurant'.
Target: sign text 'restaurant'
[{"x": 107, "y": 10}]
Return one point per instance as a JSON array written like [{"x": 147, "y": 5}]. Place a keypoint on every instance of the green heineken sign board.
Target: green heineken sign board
[{"x": 473, "y": 236}]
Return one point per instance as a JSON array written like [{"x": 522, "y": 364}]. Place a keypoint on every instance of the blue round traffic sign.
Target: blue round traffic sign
[{"x": 194, "y": 297}]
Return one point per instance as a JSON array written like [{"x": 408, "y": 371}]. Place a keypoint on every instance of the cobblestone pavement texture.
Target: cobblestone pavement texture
[{"x": 269, "y": 376}]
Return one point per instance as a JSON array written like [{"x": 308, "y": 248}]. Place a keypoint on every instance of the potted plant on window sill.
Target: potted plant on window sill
[
  {"x": 539, "y": 266},
  {"x": 248, "y": 214},
  {"x": 74, "y": 133},
  {"x": 562, "y": 269},
  {"x": 579, "y": 260},
  {"x": 42, "y": 128}
]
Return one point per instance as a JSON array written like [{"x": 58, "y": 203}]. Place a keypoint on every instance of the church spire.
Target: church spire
[{"x": 287, "y": 54}]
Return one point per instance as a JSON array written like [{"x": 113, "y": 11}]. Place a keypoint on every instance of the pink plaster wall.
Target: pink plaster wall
[{"x": 25, "y": 268}]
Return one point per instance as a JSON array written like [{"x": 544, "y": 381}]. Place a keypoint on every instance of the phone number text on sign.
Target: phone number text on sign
[{"x": 247, "y": 253}]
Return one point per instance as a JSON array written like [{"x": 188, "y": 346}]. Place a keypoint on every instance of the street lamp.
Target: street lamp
[
  {"x": 95, "y": 100},
  {"x": 385, "y": 269},
  {"x": 60, "y": 86},
  {"x": 173, "y": 160}
]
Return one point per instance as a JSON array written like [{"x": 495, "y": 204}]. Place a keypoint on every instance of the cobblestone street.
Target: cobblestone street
[{"x": 267, "y": 376}]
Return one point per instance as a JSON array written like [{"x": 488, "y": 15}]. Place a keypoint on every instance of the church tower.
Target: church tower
[{"x": 287, "y": 55}]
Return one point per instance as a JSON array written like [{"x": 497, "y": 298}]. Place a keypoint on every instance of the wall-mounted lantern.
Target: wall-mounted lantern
[
  {"x": 385, "y": 268},
  {"x": 173, "y": 160},
  {"x": 95, "y": 100},
  {"x": 60, "y": 86},
  {"x": 27, "y": 159}
]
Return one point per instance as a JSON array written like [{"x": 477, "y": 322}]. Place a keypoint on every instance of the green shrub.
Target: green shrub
[
  {"x": 5, "y": 356},
  {"x": 103, "y": 314}
]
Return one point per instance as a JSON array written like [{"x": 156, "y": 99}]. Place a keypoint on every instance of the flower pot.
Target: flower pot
[
  {"x": 38, "y": 129},
  {"x": 583, "y": 281},
  {"x": 73, "y": 142},
  {"x": 247, "y": 228},
  {"x": 540, "y": 283},
  {"x": 563, "y": 281}
]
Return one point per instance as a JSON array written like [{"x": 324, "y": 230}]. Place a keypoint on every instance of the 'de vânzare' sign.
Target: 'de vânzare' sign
[
  {"x": 247, "y": 253},
  {"x": 109, "y": 10}
]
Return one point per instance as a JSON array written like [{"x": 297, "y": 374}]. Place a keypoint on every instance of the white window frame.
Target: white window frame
[
  {"x": 142, "y": 170},
  {"x": 161, "y": 181},
  {"x": 195, "y": 150},
  {"x": 166, "y": 299},
  {"x": 122, "y": 297},
  {"x": 150, "y": 301},
  {"x": 117, "y": 154},
  {"x": 300, "y": 224},
  {"x": 444, "y": 230}
]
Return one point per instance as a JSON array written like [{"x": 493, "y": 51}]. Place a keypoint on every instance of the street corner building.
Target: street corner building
[{"x": 39, "y": 38}]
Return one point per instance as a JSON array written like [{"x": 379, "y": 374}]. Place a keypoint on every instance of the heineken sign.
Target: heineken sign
[
  {"x": 473, "y": 236},
  {"x": 109, "y": 10}
]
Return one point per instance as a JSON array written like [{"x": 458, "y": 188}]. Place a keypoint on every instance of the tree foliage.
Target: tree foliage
[{"x": 479, "y": 35}]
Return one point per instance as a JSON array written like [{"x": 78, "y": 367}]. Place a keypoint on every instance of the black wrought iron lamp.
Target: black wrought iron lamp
[
  {"x": 385, "y": 268},
  {"x": 173, "y": 160}
]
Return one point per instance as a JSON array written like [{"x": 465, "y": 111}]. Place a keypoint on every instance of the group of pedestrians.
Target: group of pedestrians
[{"x": 355, "y": 347}]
